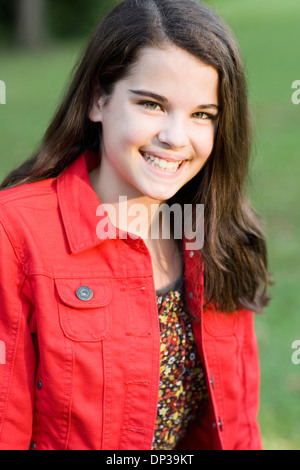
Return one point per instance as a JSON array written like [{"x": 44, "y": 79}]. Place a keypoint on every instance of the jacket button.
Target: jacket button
[
  {"x": 32, "y": 445},
  {"x": 212, "y": 381},
  {"x": 84, "y": 293},
  {"x": 220, "y": 424},
  {"x": 190, "y": 295},
  {"x": 39, "y": 385},
  {"x": 191, "y": 254}
]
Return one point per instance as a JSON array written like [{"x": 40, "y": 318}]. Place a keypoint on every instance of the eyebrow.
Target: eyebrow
[{"x": 162, "y": 99}]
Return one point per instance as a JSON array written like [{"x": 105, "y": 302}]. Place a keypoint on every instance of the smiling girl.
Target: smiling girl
[{"x": 130, "y": 342}]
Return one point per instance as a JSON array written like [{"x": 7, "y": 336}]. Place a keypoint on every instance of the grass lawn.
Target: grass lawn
[{"x": 268, "y": 33}]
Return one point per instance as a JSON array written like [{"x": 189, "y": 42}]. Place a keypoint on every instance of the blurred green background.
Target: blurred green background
[{"x": 36, "y": 68}]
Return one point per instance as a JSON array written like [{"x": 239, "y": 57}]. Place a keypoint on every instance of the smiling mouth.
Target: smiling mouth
[{"x": 160, "y": 163}]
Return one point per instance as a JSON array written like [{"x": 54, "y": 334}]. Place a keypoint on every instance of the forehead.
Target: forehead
[{"x": 172, "y": 71}]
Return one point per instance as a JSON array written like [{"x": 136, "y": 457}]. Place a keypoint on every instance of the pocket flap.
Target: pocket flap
[
  {"x": 67, "y": 291},
  {"x": 84, "y": 317}
]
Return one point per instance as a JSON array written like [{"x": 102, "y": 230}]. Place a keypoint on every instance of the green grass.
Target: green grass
[
  {"x": 34, "y": 84},
  {"x": 268, "y": 33}
]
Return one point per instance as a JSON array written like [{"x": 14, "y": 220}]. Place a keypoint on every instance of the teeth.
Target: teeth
[{"x": 161, "y": 163}]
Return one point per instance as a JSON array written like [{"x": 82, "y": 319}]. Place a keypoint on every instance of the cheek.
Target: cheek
[
  {"x": 204, "y": 142},
  {"x": 137, "y": 132}
]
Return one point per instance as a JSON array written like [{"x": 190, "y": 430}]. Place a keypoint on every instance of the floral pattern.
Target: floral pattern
[{"x": 182, "y": 388}]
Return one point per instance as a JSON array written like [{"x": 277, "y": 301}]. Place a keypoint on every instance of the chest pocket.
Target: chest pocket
[{"x": 84, "y": 308}]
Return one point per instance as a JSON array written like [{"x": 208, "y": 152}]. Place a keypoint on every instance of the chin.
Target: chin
[{"x": 160, "y": 197}]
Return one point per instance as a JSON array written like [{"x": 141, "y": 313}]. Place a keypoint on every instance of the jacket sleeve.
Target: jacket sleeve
[{"x": 17, "y": 357}]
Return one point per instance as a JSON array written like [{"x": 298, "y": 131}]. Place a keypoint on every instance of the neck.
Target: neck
[
  {"x": 131, "y": 212},
  {"x": 140, "y": 216}
]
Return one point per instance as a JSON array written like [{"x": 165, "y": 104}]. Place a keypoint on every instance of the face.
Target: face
[{"x": 158, "y": 125}]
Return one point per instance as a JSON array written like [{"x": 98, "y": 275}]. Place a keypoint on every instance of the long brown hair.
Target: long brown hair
[{"x": 234, "y": 252}]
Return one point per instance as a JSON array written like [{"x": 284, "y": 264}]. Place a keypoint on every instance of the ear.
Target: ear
[{"x": 98, "y": 101}]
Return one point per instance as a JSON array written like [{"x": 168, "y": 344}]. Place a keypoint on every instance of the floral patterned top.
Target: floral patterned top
[{"x": 182, "y": 389}]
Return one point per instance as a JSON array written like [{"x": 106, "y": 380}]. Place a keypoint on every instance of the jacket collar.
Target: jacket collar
[{"x": 79, "y": 205}]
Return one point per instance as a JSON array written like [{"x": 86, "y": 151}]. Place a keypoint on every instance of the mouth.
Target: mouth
[{"x": 161, "y": 163}]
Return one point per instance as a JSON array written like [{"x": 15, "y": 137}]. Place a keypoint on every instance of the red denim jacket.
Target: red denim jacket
[{"x": 78, "y": 374}]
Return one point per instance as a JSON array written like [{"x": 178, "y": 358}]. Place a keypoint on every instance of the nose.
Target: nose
[{"x": 174, "y": 132}]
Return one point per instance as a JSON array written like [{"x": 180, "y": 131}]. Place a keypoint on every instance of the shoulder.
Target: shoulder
[
  {"x": 32, "y": 193},
  {"x": 30, "y": 221},
  {"x": 26, "y": 208}
]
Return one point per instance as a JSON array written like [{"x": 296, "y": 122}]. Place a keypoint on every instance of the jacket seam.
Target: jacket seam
[
  {"x": 15, "y": 328},
  {"x": 13, "y": 248},
  {"x": 67, "y": 401},
  {"x": 246, "y": 388},
  {"x": 9, "y": 229},
  {"x": 27, "y": 193}
]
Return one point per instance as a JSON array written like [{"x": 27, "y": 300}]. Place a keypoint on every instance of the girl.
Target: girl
[{"x": 112, "y": 338}]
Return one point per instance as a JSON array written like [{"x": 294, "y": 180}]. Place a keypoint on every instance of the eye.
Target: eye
[
  {"x": 205, "y": 116},
  {"x": 201, "y": 115},
  {"x": 151, "y": 105}
]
